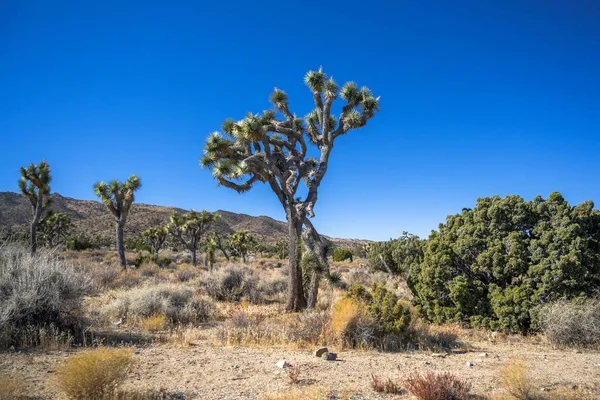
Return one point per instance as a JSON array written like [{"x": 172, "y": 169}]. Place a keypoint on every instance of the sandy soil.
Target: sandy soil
[{"x": 204, "y": 371}]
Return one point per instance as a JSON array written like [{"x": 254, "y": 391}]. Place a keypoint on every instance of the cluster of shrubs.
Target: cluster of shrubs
[
  {"x": 234, "y": 283},
  {"x": 493, "y": 265}
]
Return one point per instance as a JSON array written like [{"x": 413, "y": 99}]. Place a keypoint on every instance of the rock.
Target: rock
[
  {"x": 282, "y": 364},
  {"x": 329, "y": 356},
  {"x": 458, "y": 351},
  {"x": 321, "y": 351},
  {"x": 483, "y": 355},
  {"x": 469, "y": 364},
  {"x": 439, "y": 355}
]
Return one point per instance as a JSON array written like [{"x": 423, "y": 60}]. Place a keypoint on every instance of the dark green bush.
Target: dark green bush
[
  {"x": 491, "y": 266},
  {"x": 384, "y": 306},
  {"x": 396, "y": 256},
  {"x": 342, "y": 255}
]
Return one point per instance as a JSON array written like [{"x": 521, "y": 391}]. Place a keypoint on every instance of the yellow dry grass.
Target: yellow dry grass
[
  {"x": 93, "y": 374},
  {"x": 11, "y": 388},
  {"x": 345, "y": 312},
  {"x": 155, "y": 323},
  {"x": 514, "y": 379}
]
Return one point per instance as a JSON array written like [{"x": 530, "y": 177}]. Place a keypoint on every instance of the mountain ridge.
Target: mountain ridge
[{"x": 92, "y": 218}]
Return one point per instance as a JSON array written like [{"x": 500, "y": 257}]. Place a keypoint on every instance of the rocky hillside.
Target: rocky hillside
[{"x": 92, "y": 218}]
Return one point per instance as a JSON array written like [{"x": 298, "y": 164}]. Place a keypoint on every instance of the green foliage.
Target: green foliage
[
  {"x": 54, "y": 228},
  {"x": 493, "y": 265},
  {"x": 189, "y": 228},
  {"x": 155, "y": 237},
  {"x": 35, "y": 182},
  {"x": 118, "y": 196},
  {"x": 396, "y": 256},
  {"x": 240, "y": 243},
  {"x": 136, "y": 243},
  {"x": 383, "y": 305},
  {"x": 342, "y": 255},
  {"x": 85, "y": 242}
]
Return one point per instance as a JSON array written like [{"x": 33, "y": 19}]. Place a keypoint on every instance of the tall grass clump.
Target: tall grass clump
[
  {"x": 515, "y": 380},
  {"x": 38, "y": 293},
  {"x": 93, "y": 374},
  {"x": 572, "y": 324},
  {"x": 179, "y": 305}
]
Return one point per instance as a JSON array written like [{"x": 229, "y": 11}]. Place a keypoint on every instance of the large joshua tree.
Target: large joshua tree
[
  {"x": 35, "y": 185},
  {"x": 118, "y": 197},
  {"x": 273, "y": 148}
]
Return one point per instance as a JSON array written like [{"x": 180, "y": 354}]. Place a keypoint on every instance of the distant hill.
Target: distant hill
[{"x": 92, "y": 218}]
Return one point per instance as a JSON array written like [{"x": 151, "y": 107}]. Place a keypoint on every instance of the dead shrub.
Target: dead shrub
[
  {"x": 93, "y": 374},
  {"x": 309, "y": 327},
  {"x": 293, "y": 373},
  {"x": 232, "y": 284},
  {"x": 514, "y": 379},
  {"x": 38, "y": 291},
  {"x": 437, "y": 386},
  {"x": 11, "y": 388},
  {"x": 572, "y": 324},
  {"x": 388, "y": 386}
]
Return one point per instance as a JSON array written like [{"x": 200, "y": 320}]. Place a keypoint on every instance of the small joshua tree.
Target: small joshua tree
[
  {"x": 189, "y": 228},
  {"x": 156, "y": 237},
  {"x": 118, "y": 197},
  {"x": 55, "y": 227},
  {"x": 273, "y": 148},
  {"x": 241, "y": 242},
  {"x": 35, "y": 185}
]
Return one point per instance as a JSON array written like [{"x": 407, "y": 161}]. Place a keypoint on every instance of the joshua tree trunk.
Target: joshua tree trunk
[
  {"x": 296, "y": 300},
  {"x": 120, "y": 245},
  {"x": 313, "y": 291},
  {"x": 37, "y": 213},
  {"x": 193, "y": 257}
]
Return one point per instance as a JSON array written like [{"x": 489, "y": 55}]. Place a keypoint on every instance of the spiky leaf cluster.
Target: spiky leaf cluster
[
  {"x": 156, "y": 236},
  {"x": 189, "y": 227},
  {"x": 118, "y": 196},
  {"x": 271, "y": 147},
  {"x": 35, "y": 182},
  {"x": 55, "y": 227}
]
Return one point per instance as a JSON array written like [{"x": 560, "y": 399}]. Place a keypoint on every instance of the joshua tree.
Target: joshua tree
[
  {"x": 210, "y": 247},
  {"x": 35, "y": 184},
  {"x": 156, "y": 237},
  {"x": 241, "y": 242},
  {"x": 189, "y": 228},
  {"x": 55, "y": 227},
  {"x": 272, "y": 148},
  {"x": 118, "y": 197}
]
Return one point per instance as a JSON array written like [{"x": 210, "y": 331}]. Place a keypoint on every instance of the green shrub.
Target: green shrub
[
  {"x": 342, "y": 255},
  {"x": 490, "y": 266},
  {"x": 384, "y": 306}
]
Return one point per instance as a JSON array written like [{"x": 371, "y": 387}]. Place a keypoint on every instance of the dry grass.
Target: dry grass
[
  {"x": 514, "y": 379},
  {"x": 388, "y": 386},
  {"x": 155, "y": 323},
  {"x": 93, "y": 374},
  {"x": 437, "y": 386},
  {"x": 11, "y": 387},
  {"x": 310, "y": 393},
  {"x": 345, "y": 313}
]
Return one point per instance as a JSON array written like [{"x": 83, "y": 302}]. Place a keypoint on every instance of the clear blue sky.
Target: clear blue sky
[{"x": 478, "y": 98}]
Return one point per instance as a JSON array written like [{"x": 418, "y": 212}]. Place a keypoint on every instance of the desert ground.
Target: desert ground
[{"x": 207, "y": 361}]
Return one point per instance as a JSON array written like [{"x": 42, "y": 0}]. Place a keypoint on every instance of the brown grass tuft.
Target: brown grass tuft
[
  {"x": 437, "y": 386},
  {"x": 93, "y": 374},
  {"x": 385, "y": 386}
]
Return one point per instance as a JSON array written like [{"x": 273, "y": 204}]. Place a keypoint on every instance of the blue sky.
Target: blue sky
[{"x": 477, "y": 98}]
